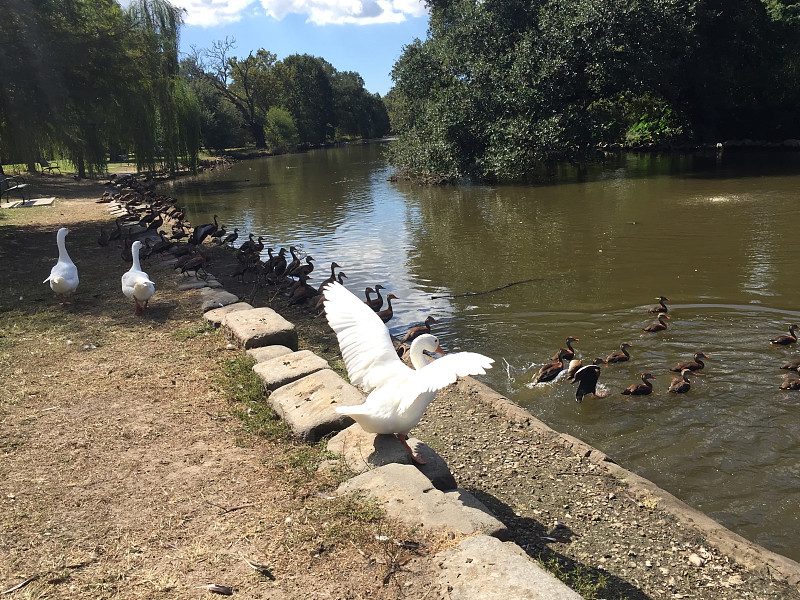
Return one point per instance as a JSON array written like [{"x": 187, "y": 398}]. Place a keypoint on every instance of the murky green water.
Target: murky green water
[{"x": 718, "y": 236}]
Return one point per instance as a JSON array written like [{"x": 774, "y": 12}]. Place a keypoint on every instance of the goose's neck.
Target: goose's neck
[
  {"x": 136, "y": 265},
  {"x": 63, "y": 256},
  {"x": 417, "y": 356}
]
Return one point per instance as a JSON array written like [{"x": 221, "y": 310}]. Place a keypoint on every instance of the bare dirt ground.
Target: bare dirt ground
[{"x": 126, "y": 472}]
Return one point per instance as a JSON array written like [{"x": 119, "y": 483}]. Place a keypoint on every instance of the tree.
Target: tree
[
  {"x": 221, "y": 125},
  {"x": 306, "y": 92},
  {"x": 281, "y": 130},
  {"x": 84, "y": 75},
  {"x": 500, "y": 86},
  {"x": 246, "y": 84}
]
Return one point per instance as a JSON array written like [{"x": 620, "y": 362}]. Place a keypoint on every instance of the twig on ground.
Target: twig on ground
[{"x": 20, "y": 585}]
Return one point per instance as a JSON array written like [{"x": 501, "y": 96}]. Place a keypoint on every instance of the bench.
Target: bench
[
  {"x": 11, "y": 183},
  {"x": 49, "y": 166}
]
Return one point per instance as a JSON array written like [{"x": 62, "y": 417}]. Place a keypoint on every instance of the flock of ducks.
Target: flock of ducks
[{"x": 587, "y": 376}]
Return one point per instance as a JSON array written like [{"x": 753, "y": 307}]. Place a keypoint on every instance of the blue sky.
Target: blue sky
[{"x": 365, "y": 36}]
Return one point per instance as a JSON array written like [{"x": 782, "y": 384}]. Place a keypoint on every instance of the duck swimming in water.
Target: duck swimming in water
[
  {"x": 622, "y": 355},
  {"x": 640, "y": 389},
  {"x": 659, "y": 326},
  {"x": 570, "y": 349},
  {"x": 681, "y": 384},
  {"x": 662, "y": 307},
  {"x": 693, "y": 365},
  {"x": 551, "y": 370},
  {"x": 414, "y": 332},
  {"x": 785, "y": 340}
]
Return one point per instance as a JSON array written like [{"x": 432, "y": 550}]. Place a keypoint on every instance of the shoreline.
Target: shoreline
[
  {"x": 567, "y": 502},
  {"x": 744, "y": 551}
]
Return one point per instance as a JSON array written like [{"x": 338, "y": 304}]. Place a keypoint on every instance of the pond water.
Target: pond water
[{"x": 591, "y": 252}]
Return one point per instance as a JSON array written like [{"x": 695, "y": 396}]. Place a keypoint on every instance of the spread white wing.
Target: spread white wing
[{"x": 367, "y": 349}]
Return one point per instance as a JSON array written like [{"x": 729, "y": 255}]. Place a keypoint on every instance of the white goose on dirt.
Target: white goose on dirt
[
  {"x": 136, "y": 283},
  {"x": 64, "y": 274}
]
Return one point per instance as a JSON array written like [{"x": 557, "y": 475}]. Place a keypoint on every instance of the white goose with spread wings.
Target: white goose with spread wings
[{"x": 398, "y": 394}]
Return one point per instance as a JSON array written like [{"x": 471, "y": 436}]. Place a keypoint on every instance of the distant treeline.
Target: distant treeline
[
  {"x": 300, "y": 101},
  {"x": 500, "y": 87},
  {"x": 85, "y": 79}
]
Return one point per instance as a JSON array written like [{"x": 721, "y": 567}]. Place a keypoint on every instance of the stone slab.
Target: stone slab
[
  {"x": 362, "y": 451},
  {"x": 259, "y": 327},
  {"x": 266, "y": 353},
  {"x": 307, "y": 405},
  {"x": 217, "y": 315},
  {"x": 190, "y": 284},
  {"x": 482, "y": 567},
  {"x": 34, "y": 202},
  {"x": 210, "y": 299},
  {"x": 409, "y": 496},
  {"x": 285, "y": 369}
]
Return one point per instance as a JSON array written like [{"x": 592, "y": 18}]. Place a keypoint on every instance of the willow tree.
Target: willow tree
[
  {"x": 81, "y": 76},
  {"x": 167, "y": 116}
]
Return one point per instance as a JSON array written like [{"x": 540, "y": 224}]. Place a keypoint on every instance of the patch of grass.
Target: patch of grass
[
  {"x": 589, "y": 583},
  {"x": 183, "y": 335},
  {"x": 246, "y": 397}
]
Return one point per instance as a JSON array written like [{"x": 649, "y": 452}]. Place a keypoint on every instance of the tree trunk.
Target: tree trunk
[
  {"x": 81, "y": 164},
  {"x": 258, "y": 135}
]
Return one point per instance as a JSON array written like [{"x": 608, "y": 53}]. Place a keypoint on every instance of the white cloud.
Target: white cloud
[{"x": 207, "y": 13}]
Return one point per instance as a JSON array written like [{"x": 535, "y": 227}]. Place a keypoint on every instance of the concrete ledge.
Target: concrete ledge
[
  {"x": 307, "y": 405},
  {"x": 408, "y": 496},
  {"x": 482, "y": 567},
  {"x": 184, "y": 284},
  {"x": 217, "y": 315},
  {"x": 287, "y": 368},
  {"x": 266, "y": 353},
  {"x": 362, "y": 451},
  {"x": 259, "y": 327},
  {"x": 210, "y": 299}
]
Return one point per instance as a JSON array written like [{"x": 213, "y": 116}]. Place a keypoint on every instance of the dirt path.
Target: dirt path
[{"x": 125, "y": 473}]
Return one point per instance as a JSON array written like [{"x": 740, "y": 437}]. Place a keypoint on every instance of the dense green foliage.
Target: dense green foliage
[
  {"x": 83, "y": 78},
  {"x": 501, "y": 86},
  {"x": 300, "y": 101}
]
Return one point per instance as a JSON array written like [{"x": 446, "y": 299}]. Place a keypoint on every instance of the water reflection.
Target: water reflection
[{"x": 595, "y": 251}]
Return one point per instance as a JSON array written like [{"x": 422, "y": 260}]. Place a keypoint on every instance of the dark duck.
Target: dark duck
[{"x": 640, "y": 389}]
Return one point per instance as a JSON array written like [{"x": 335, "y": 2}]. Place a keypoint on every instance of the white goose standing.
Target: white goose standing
[
  {"x": 398, "y": 395},
  {"x": 64, "y": 274},
  {"x": 136, "y": 283}
]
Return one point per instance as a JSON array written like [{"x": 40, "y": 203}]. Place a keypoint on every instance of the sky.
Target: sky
[{"x": 365, "y": 36}]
